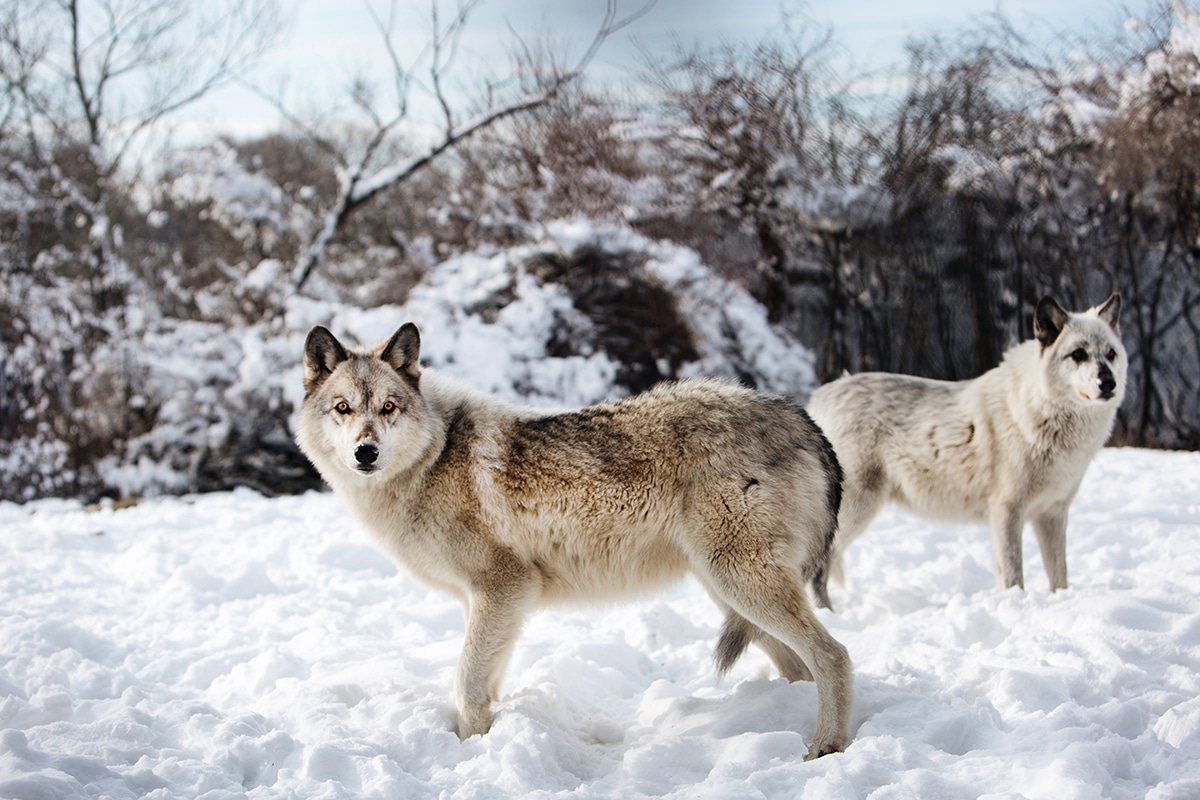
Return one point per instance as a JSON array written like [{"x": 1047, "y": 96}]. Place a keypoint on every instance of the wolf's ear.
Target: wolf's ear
[
  {"x": 1048, "y": 321},
  {"x": 322, "y": 354},
  {"x": 403, "y": 351},
  {"x": 1110, "y": 311}
]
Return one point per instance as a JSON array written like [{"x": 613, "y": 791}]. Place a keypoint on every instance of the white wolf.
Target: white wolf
[
  {"x": 510, "y": 508},
  {"x": 1009, "y": 446}
]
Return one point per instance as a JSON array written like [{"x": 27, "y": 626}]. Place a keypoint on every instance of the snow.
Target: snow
[
  {"x": 229, "y": 645},
  {"x": 240, "y": 200},
  {"x": 966, "y": 168}
]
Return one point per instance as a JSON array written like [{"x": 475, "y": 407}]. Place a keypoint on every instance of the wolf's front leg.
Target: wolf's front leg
[
  {"x": 495, "y": 612},
  {"x": 1006, "y": 520},
  {"x": 1051, "y": 528}
]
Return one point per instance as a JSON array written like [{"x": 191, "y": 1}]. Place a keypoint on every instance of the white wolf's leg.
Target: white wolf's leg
[
  {"x": 1051, "y": 528},
  {"x": 772, "y": 598},
  {"x": 496, "y": 611},
  {"x": 1007, "y": 520},
  {"x": 860, "y": 505}
]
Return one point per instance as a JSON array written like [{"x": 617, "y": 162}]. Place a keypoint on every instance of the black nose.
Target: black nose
[
  {"x": 1108, "y": 383},
  {"x": 366, "y": 454}
]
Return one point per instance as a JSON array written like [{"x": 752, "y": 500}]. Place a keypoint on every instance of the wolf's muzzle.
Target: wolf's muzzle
[
  {"x": 1108, "y": 384},
  {"x": 366, "y": 455}
]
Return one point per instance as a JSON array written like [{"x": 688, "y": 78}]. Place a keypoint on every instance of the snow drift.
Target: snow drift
[{"x": 231, "y": 646}]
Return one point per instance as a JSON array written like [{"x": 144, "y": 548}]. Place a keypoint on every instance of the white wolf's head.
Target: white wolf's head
[
  {"x": 363, "y": 414},
  {"x": 1082, "y": 352}
]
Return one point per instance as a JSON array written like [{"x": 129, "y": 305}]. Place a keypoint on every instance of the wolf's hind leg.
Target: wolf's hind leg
[
  {"x": 772, "y": 599},
  {"x": 786, "y": 660},
  {"x": 738, "y": 632}
]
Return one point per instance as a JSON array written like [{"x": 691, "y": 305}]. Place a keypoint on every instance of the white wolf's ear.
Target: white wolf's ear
[
  {"x": 403, "y": 351},
  {"x": 1111, "y": 310},
  {"x": 322, "y": 354},
  {"x": 1048, "y": 321}
]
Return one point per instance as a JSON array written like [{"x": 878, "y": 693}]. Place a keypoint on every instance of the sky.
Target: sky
[{"x": 327, "y": 44}]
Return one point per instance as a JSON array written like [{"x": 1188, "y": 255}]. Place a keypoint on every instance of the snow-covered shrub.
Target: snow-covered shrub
[{"x": 70, "y": 391}]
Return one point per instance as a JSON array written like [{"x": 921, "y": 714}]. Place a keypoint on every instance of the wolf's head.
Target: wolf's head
[
  {"x": 1082, "y": 352},
  {"x": 363, "y": 413}
]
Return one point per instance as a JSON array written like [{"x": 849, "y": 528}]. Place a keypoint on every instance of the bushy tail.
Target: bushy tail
[
  {"x": 820, "y": 587},
  {"x": 736, "y": 635}
]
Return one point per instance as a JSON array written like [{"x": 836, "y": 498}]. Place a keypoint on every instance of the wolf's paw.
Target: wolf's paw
[
  {"x": 819, "y": 749},
  {"x": 472, "y": 721}
]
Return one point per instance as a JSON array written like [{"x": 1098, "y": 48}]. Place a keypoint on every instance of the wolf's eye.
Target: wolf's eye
[
  {"x": 1111, "y": 354},
  {"x": 1079, "y": 355},
  {"x": 388, "y": 408},
  {"x": 342, "y": 407}
]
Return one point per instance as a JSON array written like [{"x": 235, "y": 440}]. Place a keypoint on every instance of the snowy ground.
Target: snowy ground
[{"x": 230, "y": 646}]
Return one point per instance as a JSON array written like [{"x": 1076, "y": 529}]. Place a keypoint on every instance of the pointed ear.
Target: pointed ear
[
  {"x": 1048, "y": 321},
  {"x": 403, "y": 351},
  {"x": 322, "y": 354},
  {"x": 1111, "y": 310}
]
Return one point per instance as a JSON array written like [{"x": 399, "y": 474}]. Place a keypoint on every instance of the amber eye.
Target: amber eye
[
  {"x": 388, "y": 407},
  {"x": 1079, "y": 356},
  {"x": 342, "y": 407}
]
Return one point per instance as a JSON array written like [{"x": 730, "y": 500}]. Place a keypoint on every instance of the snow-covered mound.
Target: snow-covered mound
[
  {"x": 499, "y": 321},
  {"x": 228, "y": 646}
]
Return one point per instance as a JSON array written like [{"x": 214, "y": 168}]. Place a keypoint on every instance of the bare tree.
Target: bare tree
[
  {"x": 94, "y": 76},
  {"x": 375, "y": 165},
  {"x": 767, "y": 133}
]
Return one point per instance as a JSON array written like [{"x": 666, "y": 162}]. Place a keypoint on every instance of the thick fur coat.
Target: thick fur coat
[
  {"x": 1007, "y": 447},
  {"x": 510, "y": 509}
]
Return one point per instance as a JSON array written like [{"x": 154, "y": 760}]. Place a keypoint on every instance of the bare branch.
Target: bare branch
[
  {"x": 437, "y": 66},
  {"x": 399, "y": 73},
  {"x": 359, "y": 187},
  {"x": 86, "y": 101}
]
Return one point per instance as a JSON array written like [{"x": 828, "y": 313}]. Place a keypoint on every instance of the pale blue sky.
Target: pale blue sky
[{"x": 328, "y": 42}]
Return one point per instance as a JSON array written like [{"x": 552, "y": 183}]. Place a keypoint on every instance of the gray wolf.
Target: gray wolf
[
  {"x": 510, "y": 509},
  {"x": 1008, "y": 446}
]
